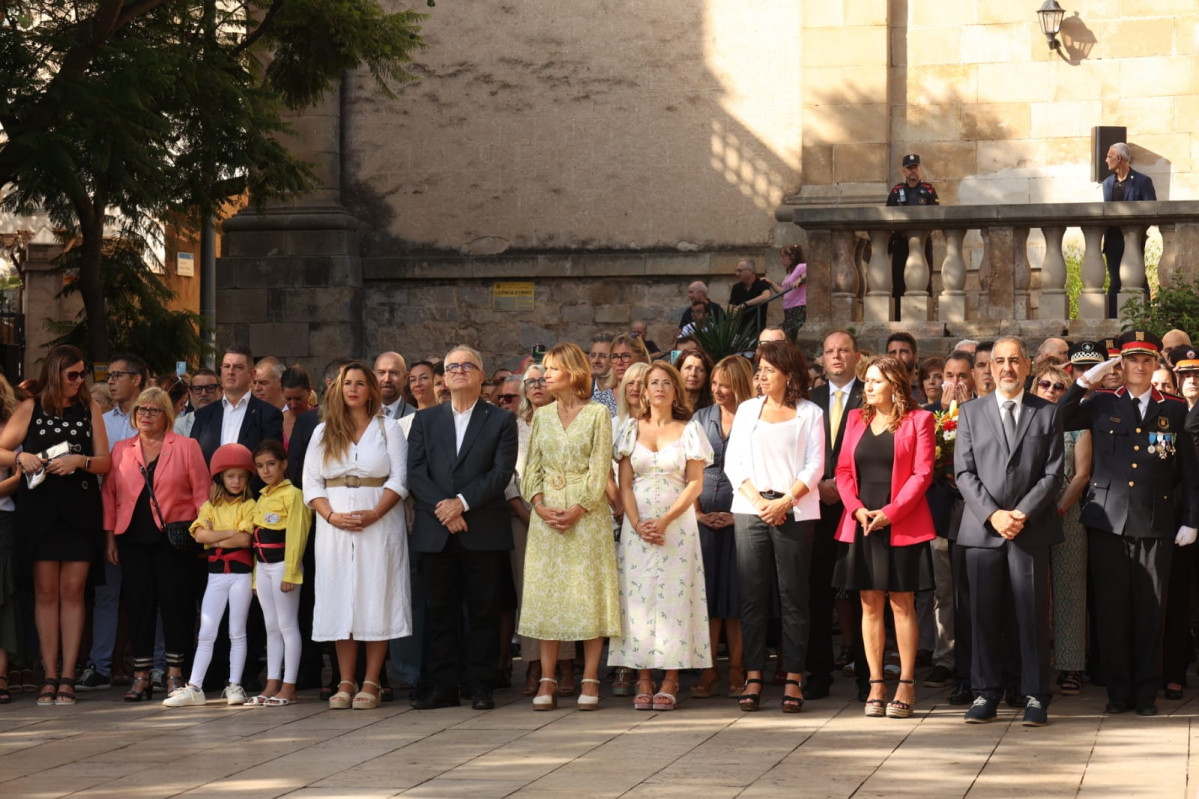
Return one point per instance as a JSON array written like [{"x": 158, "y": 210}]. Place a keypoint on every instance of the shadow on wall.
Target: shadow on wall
[{"x": 1077, "y": 40}]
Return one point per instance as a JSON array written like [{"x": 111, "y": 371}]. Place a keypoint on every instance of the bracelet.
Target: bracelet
[
  {"x": 87, "y": 462},
  {"x": 329, "y": 518}
]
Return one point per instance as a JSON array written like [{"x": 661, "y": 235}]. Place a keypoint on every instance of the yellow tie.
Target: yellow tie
[{"x": 834, "y": 418}]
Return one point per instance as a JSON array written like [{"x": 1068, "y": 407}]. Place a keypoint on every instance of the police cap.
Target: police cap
[
  {"x": 911, "y": 159},
  {"x": 1087, "y": 353},
  {"x": 1139, "y": 342}
]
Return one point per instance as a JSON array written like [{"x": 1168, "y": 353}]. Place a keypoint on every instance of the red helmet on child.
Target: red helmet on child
[{"x": 231, "y": 456}]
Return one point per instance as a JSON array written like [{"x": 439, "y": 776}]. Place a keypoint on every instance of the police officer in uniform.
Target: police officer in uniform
[
  {"x": 912, "y": 191},
  {"x": 1143, "y": 500}
]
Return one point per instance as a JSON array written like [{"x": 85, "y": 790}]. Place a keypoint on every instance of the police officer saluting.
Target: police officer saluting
[
  {"x": 912, "y": 191},
  {"x": 1143, "y": 499}
]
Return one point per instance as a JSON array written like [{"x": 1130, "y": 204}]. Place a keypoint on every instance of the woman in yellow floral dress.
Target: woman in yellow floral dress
[{"x": 571, "y": 590}]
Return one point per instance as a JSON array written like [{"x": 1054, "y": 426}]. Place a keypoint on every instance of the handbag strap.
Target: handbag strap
[{"x": 153, "y": 499}]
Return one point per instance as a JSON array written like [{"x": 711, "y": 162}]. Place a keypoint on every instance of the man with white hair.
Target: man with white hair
[
  {"x": 1125, "y": 184},
  {"x": 698, "y": 292}
]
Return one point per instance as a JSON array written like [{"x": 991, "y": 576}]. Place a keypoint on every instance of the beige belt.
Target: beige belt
[{"x": 352, "y": 481}]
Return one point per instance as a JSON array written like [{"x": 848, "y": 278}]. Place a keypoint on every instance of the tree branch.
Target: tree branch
[{"x": 257, "y": 33}]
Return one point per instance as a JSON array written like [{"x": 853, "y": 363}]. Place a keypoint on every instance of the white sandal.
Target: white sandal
[
  {"x": 367, "y": 701},
  {"x": 586, "y": 702},
  {"x": 342, "y": 700}
]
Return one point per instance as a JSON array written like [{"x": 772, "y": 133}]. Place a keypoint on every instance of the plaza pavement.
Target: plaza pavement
[{"x": 706, "y": 749}]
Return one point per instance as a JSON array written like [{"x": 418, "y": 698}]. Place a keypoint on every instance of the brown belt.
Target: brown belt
[{"x": 352, "y": 481}]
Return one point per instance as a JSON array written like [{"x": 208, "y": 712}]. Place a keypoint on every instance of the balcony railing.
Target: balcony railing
[{"x": 849, "y": 268}]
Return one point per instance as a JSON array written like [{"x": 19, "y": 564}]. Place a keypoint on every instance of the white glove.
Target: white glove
[
  {"x": 1094, "y": 376},
  {"x": 1186, "y": 536}
]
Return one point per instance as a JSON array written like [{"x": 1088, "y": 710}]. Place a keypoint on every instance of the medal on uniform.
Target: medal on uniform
[{"x": 1152, "y": 443}]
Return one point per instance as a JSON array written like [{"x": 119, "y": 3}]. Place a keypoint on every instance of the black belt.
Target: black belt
[{"x": 772, "y": 494}]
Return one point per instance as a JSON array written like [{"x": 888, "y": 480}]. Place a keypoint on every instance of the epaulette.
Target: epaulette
[
  {"x": 1171, "y": 397},
  {"x": 1105, "y": 390},
  {"x": 928, "y": 186}
]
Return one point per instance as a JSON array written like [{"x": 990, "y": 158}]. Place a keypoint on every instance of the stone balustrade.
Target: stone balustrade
[{"x": 849, "y": 267}]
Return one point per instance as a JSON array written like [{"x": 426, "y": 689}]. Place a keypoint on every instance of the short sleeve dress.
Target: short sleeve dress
[
  {"x": 62, "y": 518},
  {"x": 571, "y": 591},
  {"x": 663, "y": 599}
]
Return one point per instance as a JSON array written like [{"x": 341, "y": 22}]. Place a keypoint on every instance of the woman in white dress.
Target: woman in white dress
[
  {"x": 663, "y": 602},
  {"x": 354, "y": 478}
]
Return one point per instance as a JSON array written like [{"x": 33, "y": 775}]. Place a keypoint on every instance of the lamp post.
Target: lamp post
[{"x": 1051, "y": 14}]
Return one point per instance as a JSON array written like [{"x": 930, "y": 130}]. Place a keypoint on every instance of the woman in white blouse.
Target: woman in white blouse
[{"x": 774, "y": 459}]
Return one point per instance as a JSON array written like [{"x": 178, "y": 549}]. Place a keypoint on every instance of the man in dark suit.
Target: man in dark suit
[
  {"x": 461, "y": 456},
  {"x": 1125, "y": 184},
  {"x": 1008, "y": 463},
  {"x": 1143, "y": 500},
  {"x": 239, "y": 417},
  {"x": 842, "y": 394}
]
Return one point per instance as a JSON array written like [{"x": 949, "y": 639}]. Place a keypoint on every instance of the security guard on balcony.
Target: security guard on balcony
[{"x": 912, "y": 191}]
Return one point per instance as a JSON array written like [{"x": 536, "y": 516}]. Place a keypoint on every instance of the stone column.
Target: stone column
[
  {"x": 846, "y": 306},
  {"x": 879, "y": 306},
  {"x": 952, "y": 305},
  {"x": 289, "y": 282},
  {"x": 1092, "y": 301},
  {"x": 1132, "y": 266},
  {"x": 1054, "y": 302},
  {"x": 996, "y": 274},
  {"x": 914, "y": 302}
]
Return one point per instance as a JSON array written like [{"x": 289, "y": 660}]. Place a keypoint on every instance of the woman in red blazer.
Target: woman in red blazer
[
  {"x": 883, "y": 474},
  {"x": 155, "y": 577}
]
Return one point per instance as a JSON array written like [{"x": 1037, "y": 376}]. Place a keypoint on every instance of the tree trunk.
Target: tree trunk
[{"x": 91, "y": 287}]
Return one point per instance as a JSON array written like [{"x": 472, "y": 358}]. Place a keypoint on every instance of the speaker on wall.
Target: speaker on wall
[{"x": 1103, "y": 137}]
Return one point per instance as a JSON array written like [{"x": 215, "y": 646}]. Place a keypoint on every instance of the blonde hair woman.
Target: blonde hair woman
[
  {"x": 355, "y": 473},
  {"x": 570, "y": 585}
]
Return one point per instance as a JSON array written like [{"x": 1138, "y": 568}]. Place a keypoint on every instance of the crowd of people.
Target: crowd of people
[{"x": 995, "y": 517}]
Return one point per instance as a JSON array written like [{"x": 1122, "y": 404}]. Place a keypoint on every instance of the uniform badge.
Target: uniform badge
[
  {"x": 1115, "y": 419},
  {"x": 271, "y": 518},
  {"x": 1163, "y": 423}
]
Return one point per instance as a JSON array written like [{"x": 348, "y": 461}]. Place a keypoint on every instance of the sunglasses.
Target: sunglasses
[
  {"x": 74, "y": 376},
  {"x": 209, "y": 389},
  {"x": 1045, "y": 385},
  {"x": 507, "y": 397}
]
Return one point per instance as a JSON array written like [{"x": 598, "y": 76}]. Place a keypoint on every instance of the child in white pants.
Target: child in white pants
[
  {"x": 223, "y": 526},
  {"x": 281, "y": 525}
]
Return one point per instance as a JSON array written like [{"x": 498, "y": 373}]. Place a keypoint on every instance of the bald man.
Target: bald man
[
  {"x": 392, "y": 371},
  {"x": 698, "y": 292},
  {"x": 1175, "y": 338}
]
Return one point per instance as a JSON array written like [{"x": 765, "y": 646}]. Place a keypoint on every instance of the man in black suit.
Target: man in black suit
[
  {"x": 461, "y": 456},
  {"x": 1008, "y": 463},
  {"x": 1143, "y": 501},
  {"x": 239, "y": 417},
  {"x": 841, "y": 394},
  {"x": 392, "y": 371}
]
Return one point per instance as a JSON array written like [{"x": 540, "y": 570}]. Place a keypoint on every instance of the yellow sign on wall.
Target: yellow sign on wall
[{"x": 512, "y": 296}]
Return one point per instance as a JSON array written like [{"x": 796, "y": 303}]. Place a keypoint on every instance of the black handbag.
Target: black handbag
[{"x": 178, "y": 533}]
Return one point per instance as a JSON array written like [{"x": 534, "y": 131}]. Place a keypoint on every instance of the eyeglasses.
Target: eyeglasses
[
  {"x": 1045, "y": 385},
  {"x": 507, "y": 397},
  {"x": 622, "y": 356},
  {"x": 147, "y": 411},
  {"x": 211, "y": 388},
  {"x": 465, "y": 368},
  {"x": 74, "y": 376},
  {"x": 535, "y": 382},
  {"x": 114, "y": 374}
]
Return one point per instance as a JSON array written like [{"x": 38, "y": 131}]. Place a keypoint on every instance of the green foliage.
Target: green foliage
[
  {"x": 726, "y": 336},
  {"x": 1176, "y": 306},
  {"x": 138, "y": 318},
  {"x": 1073, "y": 256}
]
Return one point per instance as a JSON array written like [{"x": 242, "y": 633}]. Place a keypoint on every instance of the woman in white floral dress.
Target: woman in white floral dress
[{"x": 664, "y": 605}]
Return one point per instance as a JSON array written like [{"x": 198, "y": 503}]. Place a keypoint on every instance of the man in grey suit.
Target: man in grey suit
[{"x": 1008, "y": 461}]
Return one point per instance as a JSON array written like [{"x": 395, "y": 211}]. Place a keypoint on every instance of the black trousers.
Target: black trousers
[
  {"x": 155, "y": 578},
  {"x": 1177, "y": 646},
  {"x": 821, "y": 659},
  {"x": 963, "y": 630},
  {"x": 1008, "y": 582},
  {"x": 1130, "y": 575},
  {"x": 451, "y": 576},
  {"x": 785, "y": 551}
]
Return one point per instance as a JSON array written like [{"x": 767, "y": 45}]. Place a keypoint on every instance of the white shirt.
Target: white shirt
[
  {"x": 392, "y": 411},
  {"x": 805, "y": 460},
  {"x": 232, "y": 418},
  {"x": 118, "y": 427},
  {"x": 1142, "y": 402},
  {"x": 1018, "y": 399},
  {"x": 461, "y": 421}
]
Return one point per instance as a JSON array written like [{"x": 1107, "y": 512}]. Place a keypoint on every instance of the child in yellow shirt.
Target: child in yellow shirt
[{"x": 281, "y": 525}]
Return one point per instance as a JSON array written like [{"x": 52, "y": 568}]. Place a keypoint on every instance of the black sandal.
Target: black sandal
[
  {"x": 46, "y": 697},
  {"x": 876, "y": 708},
  {"x": 900, "y": 710},
  {"x": 792, "y": 704},
  {"x": 750, "y": 702}
]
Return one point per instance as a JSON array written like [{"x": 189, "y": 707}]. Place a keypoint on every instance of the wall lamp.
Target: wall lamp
[{"x": 1051, "y": 22}]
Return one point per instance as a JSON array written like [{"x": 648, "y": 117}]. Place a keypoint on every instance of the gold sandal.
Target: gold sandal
[{"x": 342, "y": 700}]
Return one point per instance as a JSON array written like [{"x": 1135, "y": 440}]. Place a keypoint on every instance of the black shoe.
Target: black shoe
[
  {"x": 1115, "y": 708},
  {"x": 1149, "y": 709},
  {"x": 961, "y": 694},
  {"x": 1013, "y": 698},
  {"x": 93, "y": 679},
  {"x": 1173, "y": 694},
  {"x": 1035, "y": 714},
  {"x": 863, "y": 693},
  {"x": 482, "y": 700},
  {"x": 434, "y": 698},
  {"x": 816, "y": 688},
  {"x": 939, "y": 677},
  {"x": 982, "y": 711}
]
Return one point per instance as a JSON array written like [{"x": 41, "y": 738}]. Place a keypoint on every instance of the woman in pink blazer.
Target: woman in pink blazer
[
  {"x": 155, "y": 577},
  {"x": 883, "y": 474}
]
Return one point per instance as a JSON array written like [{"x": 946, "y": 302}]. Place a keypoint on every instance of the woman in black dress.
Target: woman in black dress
[
  {"x": 883, "y": 475},
  {"x": 60, "y": 517}
]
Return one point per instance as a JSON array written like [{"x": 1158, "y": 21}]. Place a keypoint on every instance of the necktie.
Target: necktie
[
  {"x": 1009, "y": 424},
  {"x": 834, "y": 417},
  {"x": 387, "y": 411}
]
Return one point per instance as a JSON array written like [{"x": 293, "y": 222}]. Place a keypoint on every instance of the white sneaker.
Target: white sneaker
[
  {"x": 181, "y": 697},
  {"x": 234, "y": 694}
]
